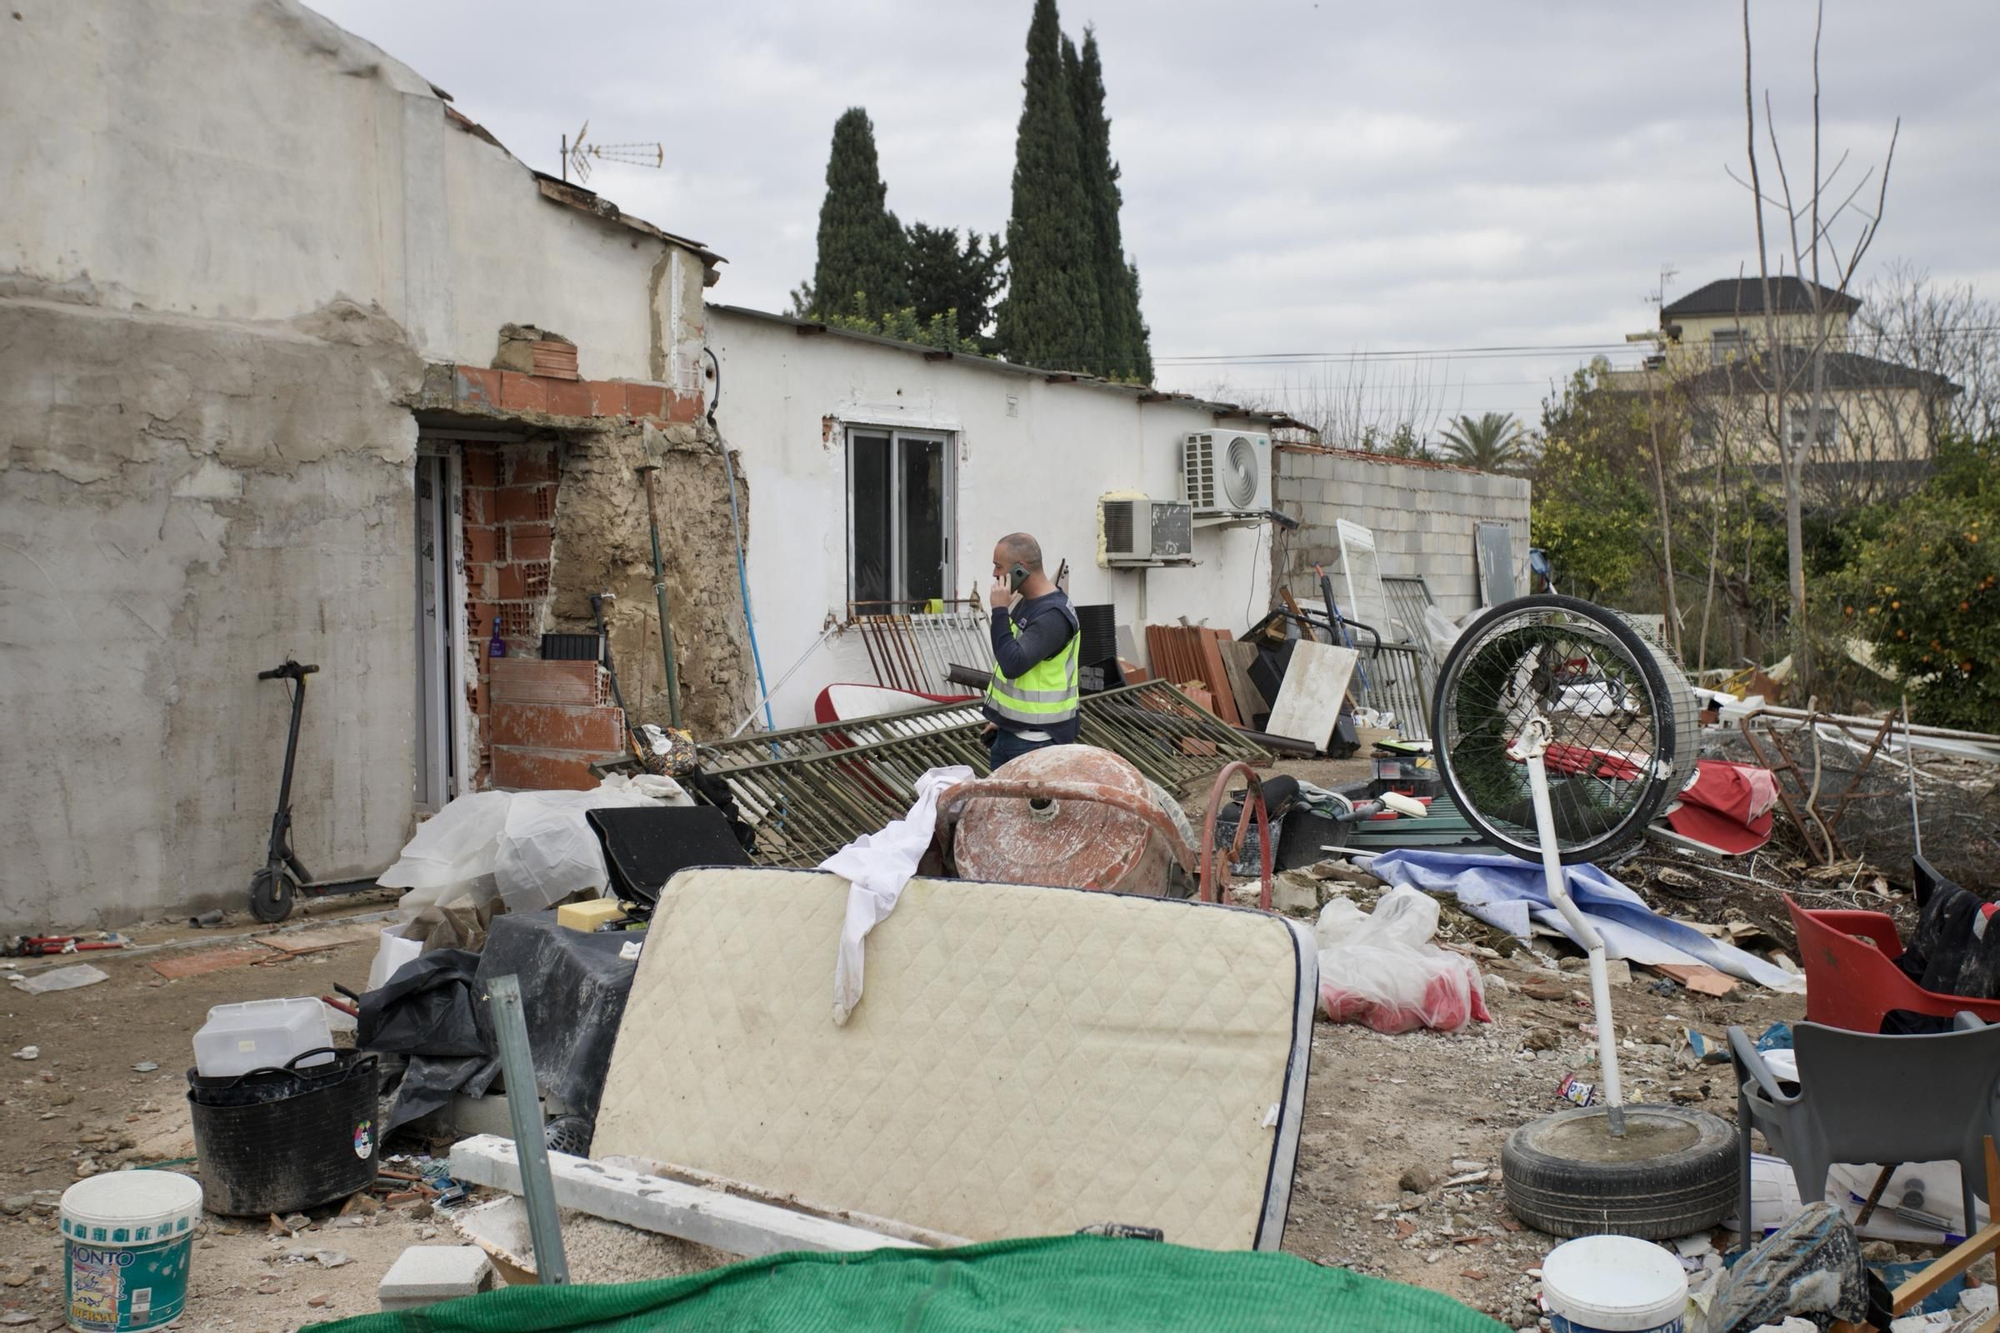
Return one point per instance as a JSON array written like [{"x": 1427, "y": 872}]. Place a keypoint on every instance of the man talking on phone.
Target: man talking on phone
[{"x": 1032, "y": 701}]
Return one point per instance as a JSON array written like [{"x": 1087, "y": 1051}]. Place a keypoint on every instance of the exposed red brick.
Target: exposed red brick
[
  {"x": 477, "y": 384},
  {"x": 530, "y": 680},
  {"x": 558, "y": 727},
  {"x": 520, "y": 530},
  {"x": 646, "y": 400},
  {"x": 535, "y": 504},
  {"x": 525, "y": 547},
  {"x": 571, "y": 398},
  {"x": 509, "y": 586},
  {"x": 479, "y": 464},
  {"x": 476, "y": 505},
  {"x": 531, "y": 465},
  {"x": 484, "y": 545},
  {"x": 607, "y": 398},
  {"x": 685, "y": 407},
  {"x": 478, "y": 580},
  {"x": 479, "y": 620},
  {"x": 523, "y": 393},
  {"x": 543, "y": 770}
]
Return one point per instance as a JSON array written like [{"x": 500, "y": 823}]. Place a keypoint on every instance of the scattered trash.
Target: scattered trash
[
  {"x": 145, "y": 1066},
  {"x": 1574, "y": 1089},
  {"x": 28, "y": 1053},
  {"x": 62, "y": 978},
  {"x": 1382, "y": 969},
  {"x": 207, "y": 920}
]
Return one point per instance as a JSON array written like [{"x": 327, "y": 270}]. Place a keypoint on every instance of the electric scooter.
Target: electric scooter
[{"x": 274, "y": 885}]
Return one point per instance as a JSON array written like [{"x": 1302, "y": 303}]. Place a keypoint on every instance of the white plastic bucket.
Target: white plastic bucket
[
  {"x": 128, "y": 1238},
  {"x": 1614, "y": 1284}
]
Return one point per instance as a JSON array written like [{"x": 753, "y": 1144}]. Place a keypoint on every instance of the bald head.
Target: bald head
[{"x": 1018, "y": 548}]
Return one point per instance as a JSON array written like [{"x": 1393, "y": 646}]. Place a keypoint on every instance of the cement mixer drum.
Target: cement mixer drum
[{"x": 1096, "y": 843}]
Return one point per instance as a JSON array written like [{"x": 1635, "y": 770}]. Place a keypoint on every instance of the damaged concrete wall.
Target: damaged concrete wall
[
  {"x": 184, "y": 502},
  {"x": 1425, "y": 517},
  {"x": 603, "y": 544}
]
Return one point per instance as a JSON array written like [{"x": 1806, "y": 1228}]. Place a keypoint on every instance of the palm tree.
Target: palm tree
[{"x": 1490, "y": 444}]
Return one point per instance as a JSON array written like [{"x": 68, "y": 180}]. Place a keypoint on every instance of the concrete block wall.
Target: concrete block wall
[{"x": 1425, "y": 518}]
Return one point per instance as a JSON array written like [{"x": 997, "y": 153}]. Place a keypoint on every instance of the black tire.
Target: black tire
[
  {"x": 1688, "y": 1187},
  {"x": 1671, "y": 704},
  {"x": 271, "y": 893}
]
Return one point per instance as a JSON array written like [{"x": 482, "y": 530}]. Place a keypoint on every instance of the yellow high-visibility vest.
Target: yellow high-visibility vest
[{"x": 1044, "y": 695}]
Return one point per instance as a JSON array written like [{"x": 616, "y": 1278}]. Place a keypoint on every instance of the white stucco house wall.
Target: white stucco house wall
[
  {"x": 253, "y": 273},
  {"x": 1022, "y": 449}
]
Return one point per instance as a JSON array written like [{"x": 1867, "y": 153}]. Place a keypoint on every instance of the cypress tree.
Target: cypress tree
[
  {"x": 861, "y": 250},
  {"x": 1125, "y": 351},
  {"x": 1052, "y": 316}
]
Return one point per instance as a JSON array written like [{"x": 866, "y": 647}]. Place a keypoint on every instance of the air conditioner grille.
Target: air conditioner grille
[
  {"x": 1240, "y": 480},
  {"x": 1198, "y": 470},
  {"x": 1118, "y": 525}
]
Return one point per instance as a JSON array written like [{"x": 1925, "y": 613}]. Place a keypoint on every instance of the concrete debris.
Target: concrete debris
[{"x": 425, "y": 1274}]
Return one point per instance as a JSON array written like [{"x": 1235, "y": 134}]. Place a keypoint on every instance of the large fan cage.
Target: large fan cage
[{"x": 1621, "y": 715}]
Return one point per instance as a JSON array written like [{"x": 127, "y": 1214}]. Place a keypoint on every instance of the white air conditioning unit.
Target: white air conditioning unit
[
  {"x": 1226, "y": 476},
  {"x": 1134, "y": 530}
]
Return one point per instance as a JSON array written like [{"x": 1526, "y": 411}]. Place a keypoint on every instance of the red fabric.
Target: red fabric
[
  {"x": 1448, "y": 1005},
  {"x": 1606, "y": 764},
  {"x": 1728, "y": 807}
]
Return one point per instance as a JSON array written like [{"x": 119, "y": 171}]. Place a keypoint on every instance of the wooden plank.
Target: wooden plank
[
  {"x": 668, "y": 1207},
  {"x": 312, "y": 941},
  {"x": 1315, "y": 687},
  {"x": 1216, "y": 675},
  {"x": 1697, "y": 977},
  {"x": 1236, "y": 660},
  {"x": 213, "y": 960}
]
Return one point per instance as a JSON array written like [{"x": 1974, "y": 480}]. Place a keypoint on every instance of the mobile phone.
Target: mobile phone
[{"x": 1017, "y": 576}]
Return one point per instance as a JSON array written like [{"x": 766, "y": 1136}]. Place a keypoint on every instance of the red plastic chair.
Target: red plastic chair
[{"x": 1852, "y": 983}]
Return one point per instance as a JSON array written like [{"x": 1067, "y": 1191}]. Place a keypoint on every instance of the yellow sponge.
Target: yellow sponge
[{"x": 587, "y": 917}]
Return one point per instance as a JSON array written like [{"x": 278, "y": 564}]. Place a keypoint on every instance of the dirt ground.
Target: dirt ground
[{"x": 1382, "y": 1112}]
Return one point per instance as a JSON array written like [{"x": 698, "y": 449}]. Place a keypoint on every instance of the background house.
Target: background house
[
  {"x": 1879, "y": 419},
  {"x": 276, "y": 386}
]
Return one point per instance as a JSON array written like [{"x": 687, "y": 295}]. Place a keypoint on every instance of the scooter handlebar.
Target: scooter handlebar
[{"x": 289, "y": 671}]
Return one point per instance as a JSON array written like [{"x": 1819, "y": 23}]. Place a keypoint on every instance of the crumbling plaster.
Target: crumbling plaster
[{"x": 182, "y": 503}]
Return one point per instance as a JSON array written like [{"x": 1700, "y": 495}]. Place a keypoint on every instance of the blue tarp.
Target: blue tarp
[{"x": 1510, "y": 894}]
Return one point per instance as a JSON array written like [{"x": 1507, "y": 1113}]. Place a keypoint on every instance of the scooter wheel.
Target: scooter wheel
[{"x": 271, "y": 895}]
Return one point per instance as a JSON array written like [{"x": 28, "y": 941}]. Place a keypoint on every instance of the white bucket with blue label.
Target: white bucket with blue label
[
  {"x": 128, "y": 1237},
  {"x": 1614, "y": 1284}
]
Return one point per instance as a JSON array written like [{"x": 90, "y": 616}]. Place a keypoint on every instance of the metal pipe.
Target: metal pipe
[
  {"x": 531, "y": 1149},
  {"x": 660, "y": 595},
  {"x": 763, "y": 698},
  {"x": 1534, "y": 740}
]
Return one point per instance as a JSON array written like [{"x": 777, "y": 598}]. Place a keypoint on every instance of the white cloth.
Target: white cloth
[{"x": 876, "y": 866}]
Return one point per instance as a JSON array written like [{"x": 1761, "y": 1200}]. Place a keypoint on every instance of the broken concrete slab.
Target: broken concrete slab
[
  {"x": 654, "y": 1203},
  {"x": 426, "y": 1274}
]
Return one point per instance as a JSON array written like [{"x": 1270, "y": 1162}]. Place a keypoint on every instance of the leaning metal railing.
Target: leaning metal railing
[{"x": 809, "y": 791}]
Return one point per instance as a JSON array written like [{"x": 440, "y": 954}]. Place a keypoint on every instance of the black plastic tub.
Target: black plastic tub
[{"x": 285, "y": 1140}]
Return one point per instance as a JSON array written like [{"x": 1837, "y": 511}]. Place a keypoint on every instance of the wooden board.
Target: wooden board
[
  {"x": 1236, "y": 660},
  {"x": 1697, "y": 977},
  {"x": 1215, "y": 672},
  {"x": 1315, "y": 687},
  {"x": 312, "y": 941},
  {"x": 175, "y": 966}
]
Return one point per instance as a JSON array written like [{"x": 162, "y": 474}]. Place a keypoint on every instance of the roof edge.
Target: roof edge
[{"x": 1142, "y": 394}]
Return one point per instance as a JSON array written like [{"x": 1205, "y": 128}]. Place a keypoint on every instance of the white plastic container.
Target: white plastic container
[
  {"x": 260, "y": 1034},
  {"x": 390, "y": 955},
  {"x": 128, "y": 1238},
  {"x": 1614, "y": 1284}
]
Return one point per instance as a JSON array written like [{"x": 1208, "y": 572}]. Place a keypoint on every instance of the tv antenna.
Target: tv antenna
[{"x": 578, "y": 155}]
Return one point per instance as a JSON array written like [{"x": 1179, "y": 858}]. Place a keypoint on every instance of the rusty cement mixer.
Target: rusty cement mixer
[{"x": 1075, "y": 816}]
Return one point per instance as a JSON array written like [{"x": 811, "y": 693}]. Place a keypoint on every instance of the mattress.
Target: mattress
[{"x": 1024, "y": 1060}]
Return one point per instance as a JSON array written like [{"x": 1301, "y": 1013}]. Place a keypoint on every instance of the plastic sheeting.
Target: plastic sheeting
[
  {"x": 530, "y": 849},
  {"x": 1511, "y": 895},
  {"x": 1381, "y": 969}
]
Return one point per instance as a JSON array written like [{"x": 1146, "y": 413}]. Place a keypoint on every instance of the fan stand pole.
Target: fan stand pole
[{"x": 1530, "y": 747}]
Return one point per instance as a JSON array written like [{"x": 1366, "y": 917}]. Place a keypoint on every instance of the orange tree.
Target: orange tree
[{"x": 1926, "y": 592}]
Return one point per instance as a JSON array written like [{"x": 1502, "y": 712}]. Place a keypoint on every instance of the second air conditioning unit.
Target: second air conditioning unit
[
  {"x": 1134, "y": 530},
  {"x": 1226, "y": 476}
]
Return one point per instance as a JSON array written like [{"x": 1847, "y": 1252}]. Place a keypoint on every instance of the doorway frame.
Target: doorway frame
[{"x": 458, "y": 781}]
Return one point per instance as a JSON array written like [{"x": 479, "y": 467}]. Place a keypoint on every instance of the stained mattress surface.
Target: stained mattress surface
[{"x": 1024, "y": 1060}]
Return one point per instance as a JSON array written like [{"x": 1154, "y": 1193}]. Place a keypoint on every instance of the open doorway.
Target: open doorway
[{"x": 437, "y": 625}]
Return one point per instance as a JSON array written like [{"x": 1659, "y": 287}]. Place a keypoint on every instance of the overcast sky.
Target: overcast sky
[{"x": 1336, "y": 177}]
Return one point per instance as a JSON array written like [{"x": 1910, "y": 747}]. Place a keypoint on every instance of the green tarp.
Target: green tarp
[{"x": 1067, "y": 1283}]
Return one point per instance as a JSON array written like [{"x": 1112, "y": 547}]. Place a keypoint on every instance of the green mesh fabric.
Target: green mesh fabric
[{"x": 1067, "y": 1283}]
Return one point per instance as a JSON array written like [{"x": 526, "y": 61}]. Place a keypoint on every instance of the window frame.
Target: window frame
[{"x": 947, "y": 442}]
